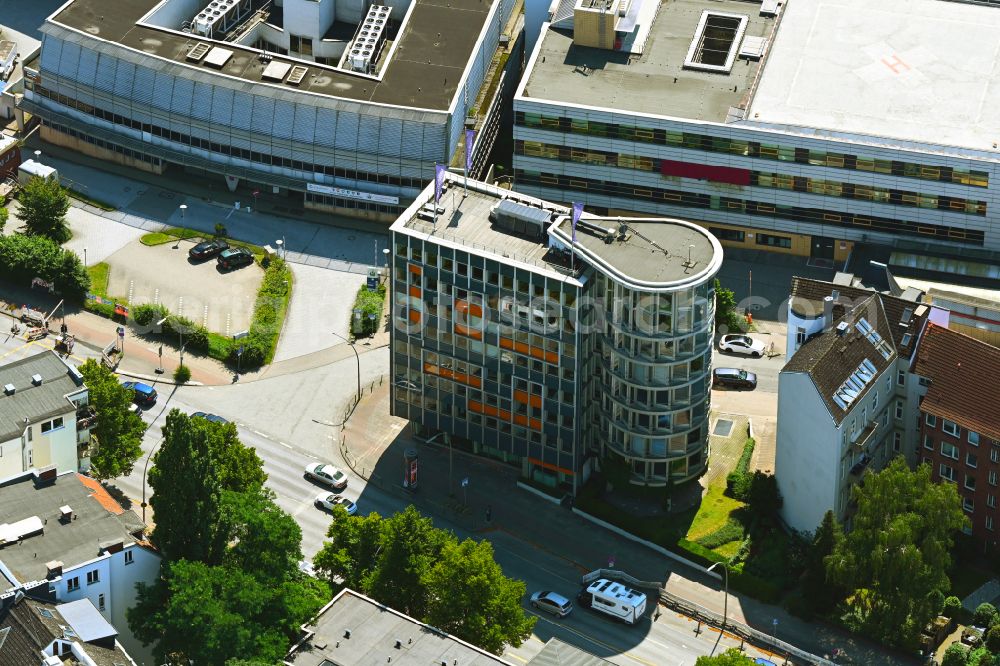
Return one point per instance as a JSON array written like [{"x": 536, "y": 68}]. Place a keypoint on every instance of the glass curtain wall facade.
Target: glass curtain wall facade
[{"x": 655, "y": 379}]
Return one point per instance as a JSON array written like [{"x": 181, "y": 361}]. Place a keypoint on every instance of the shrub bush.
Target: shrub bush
[
  {"x": 731, "y": 531},
  {"x": 268, "y": 315},
  {"x": 985, "y": 615},
  {"x": 956, "y": 655},
  {"x": 952, "y": 607},
  {"x": 738, "y": 481},
  {"x": 182, "y": 374},
  {"x": 369, "y": 303},
  {"x": 147, "y": 314}
]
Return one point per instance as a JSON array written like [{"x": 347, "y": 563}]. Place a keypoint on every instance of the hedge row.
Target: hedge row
[
  {"x": 176, "y": 327},
  {"x": 738, "y": 481},
  {"x": 268, "y": 317},
  {"x": 731, "y": 531},
  {"x": 369, "y": 303},
  {"x": 739, "y": 580}
]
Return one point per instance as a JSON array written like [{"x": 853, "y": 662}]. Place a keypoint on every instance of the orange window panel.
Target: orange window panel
[
  {"x": 468, "y": 332},
  {"x": 431, "y": 369},
  {"x": 555, "y": 468},
  {"x": 506, "y": 343},
  {"x": 525, "y": 399},
  {"x": 474, "y": 309},
  {"x": 414, "y": 316},
  {"x": 415, "y": 291},
  {"x": 416, "y": 270},
  {"x": 521, "y": 419},
  {"x": 469, "y": 380}
]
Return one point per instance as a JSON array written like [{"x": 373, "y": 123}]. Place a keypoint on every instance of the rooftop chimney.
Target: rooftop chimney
[
  {"x": 36, "y": 380},
  {"x": 827, "y": 312},
  {"x": 66, "y": 513},
  {"x": 53, "y": 569}
]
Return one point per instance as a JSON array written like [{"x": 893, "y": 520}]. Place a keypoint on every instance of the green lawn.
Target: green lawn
[
  {"x": 99, "y": 278},
  {"x": 713, "y": 513}
]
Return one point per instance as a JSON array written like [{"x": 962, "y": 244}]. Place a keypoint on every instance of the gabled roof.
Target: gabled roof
[
  {"x": 807, "y": 300},
  {"x": 830, "y": 359},
  {"x": 32, "y": 402},
  {"x": 963, "y": 379},
  {"x": 29, "y": 625}
]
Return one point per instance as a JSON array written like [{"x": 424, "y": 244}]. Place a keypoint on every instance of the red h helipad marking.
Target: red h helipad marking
[{"x": 895, "y": 64}]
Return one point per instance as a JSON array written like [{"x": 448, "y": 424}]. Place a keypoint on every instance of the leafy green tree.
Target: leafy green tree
[
  {"x": 117, "y": 431},
  {"x": 23, "y": 258},
  {"x": 410, "y": 546},
  {"x": 992, "y": 639},
  {"x": 985, "y": 615},
  {"x": 897, "y": 551},
  {"x": 731, "y": 657},
  {"x": 198, "y": 461},
  {"x": 469, "y": 597},
  {"x": 408, "y": 564},
  {"x": 3, "y": 217},
  {"x": 725, "y": 310},
  {"x": 186, "y": 493},
  {"x": 952, "y": 607},
  {"x": 822, "y": 593},
  {"x": 762, "y": 495},
  {"x": 43, "y": 206},
  {"x": 350, "y": 552},
  {"x": 208, "y": 614},
  {"x": 956, "y": 655},
  {"x": 935, "y": 602},
  {"x": 265, "y": 540}
]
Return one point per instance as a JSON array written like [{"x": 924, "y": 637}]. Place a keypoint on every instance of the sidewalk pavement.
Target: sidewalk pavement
[{"x": 373, "y": 444}]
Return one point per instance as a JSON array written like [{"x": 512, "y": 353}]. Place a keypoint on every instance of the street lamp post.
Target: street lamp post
[
  {"x": 144, "y": 469},
  {"x": 183, "y": 208},
  {"x": 356, "y": 358},
  {"x": 84, "y": 256},
  {"x": 280, "y": 243},
  {"x": 725, "y": 603}
]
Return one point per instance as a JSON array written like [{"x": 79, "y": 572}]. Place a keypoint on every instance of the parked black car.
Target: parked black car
[
  {"x": 208, "y": 249},
  {"x": 734, "y": 378},
  {"x": 235, "y": 257}
]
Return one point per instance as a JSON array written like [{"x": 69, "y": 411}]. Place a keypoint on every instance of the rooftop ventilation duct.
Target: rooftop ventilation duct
[
  {"x": 9, "y": 389},
  {"x": 36, "y": 380}
]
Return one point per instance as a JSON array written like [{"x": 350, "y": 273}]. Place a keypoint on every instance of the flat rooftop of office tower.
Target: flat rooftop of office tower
[
  {"x": 910, "y": 70},
  {"x": 644, "y": 253},
  {"x": 654, "y": 82},
  {"x": 894, "y": 72},
  {"x": 436, "y": 43}
]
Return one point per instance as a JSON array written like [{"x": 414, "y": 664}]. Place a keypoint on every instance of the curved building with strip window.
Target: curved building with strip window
[{"x": 552, "y": 346}]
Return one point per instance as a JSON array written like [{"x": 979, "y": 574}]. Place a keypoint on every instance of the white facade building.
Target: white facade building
[
  {"x": 843, "y": 406},
  {"x": 44, "y": 418},
  {"x": 804, "y": 130},
  {"x": 70, "y": 532}
]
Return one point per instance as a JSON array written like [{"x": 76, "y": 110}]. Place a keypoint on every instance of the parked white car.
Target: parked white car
[
  {"x": 553, "y": 603},
  {"x": 327, "y": 474},
  {"x": 327, "y": 501},
  {"x": 742, "y": 344}
]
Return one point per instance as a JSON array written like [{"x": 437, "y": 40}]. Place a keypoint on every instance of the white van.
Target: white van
[{"x": 614, "y": 599}]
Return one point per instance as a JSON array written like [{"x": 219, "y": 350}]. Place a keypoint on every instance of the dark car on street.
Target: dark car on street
[
  {"x": 734, "y": 378},
  {"x": 235, "y": 257},
  {"x": 207, "y": 250},
  {"x": 214, "y": 418},
  {"x": 142, "y": 394}
]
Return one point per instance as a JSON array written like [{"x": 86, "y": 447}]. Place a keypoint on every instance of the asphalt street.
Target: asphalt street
[{"x": 671, "y": 639}]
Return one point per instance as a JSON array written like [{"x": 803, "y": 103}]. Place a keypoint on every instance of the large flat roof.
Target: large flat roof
[
  {"x": 655, "y": 82},
  {"x": 464, "y": 221},
  {"x": 913, "y": 70},
  {"x": 353, "y": 630},
  {"x": 424, "y": 72},
  {"x": 644, "y": 253},
  {"x": 72, "y": 542}
]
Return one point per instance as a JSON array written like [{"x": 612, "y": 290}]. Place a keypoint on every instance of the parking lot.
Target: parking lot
[{"x": 221, "y": 301}]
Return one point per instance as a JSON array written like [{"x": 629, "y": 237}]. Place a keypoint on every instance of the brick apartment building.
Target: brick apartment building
[{"x": 960, "y": 422}]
